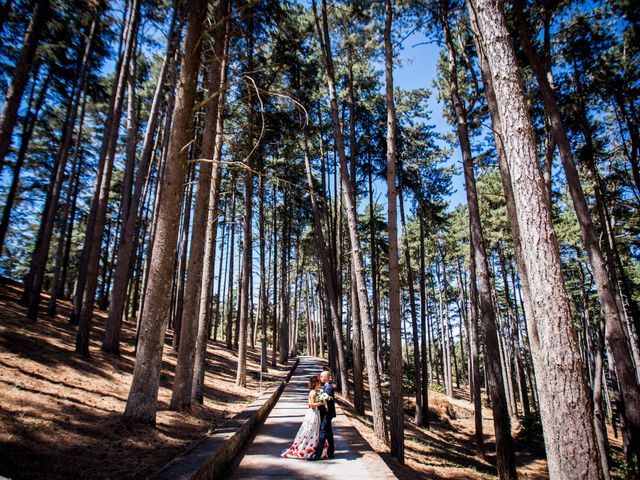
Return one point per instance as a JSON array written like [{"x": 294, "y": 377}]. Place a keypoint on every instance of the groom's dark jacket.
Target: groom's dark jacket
[{"x": 331, "y": 404}]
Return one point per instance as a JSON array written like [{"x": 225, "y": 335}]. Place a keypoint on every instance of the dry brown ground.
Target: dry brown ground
[
  {"x": 447, "y": 449},
  {"x": 60, "y": 413}
]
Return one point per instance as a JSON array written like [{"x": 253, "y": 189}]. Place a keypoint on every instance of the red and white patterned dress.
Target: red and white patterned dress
[{"x": 306, "y": 439}]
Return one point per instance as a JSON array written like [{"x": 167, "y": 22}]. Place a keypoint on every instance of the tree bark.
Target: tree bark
[
  {"x": 397, "y": 407},
  {"x": 181, "y": 397},
  {"x": 614, "y": 328},
  {"x": 564, "y": 403},
  {"x": 379, "y": 422},
  {"x": 142, "y": 399},
  {"x": 501, "y": 421},
  {"x": 417, "y": 379},
  {"x": 9, "y": 115},
  {"x": 111, "y": 342}
]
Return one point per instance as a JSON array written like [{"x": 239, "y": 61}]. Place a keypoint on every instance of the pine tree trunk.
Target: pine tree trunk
[
  {"x": 247, "y": 261},
  {"x": 264, "y": 301},
  {"x": 379, "y": 422},
  {"x": 13, "y": 97},
  {"x": 444, "y": 322},
  {"x": 374, "y": 271},
  {"x": 274, "y": 316},
  {"x": 564, "y": 403},
  {"x": 615, "y": 330},
  {"x": 180, "y": 274},
  {"x": 414, "y": 315},
  {"x": 217, "y": 104},
  {"x": 283, "y": 324},
  {"x": 232, "y": 243},
  {"x": 95, "y": 230},
  {"x": 423, "y": 331},
  {"x": 501, "y": 421},
  {"x": 474, "y": 354},
  {"x": 142, "y": 399},
  {"x": 111, "y": 342},
  {"x": 181, "y": 397},
  {"x": 27, "y": 132},
  {"x": 397, "y": 402},
  {"x": 506, "y": 181},
  {"x": 327, "y": 273}
]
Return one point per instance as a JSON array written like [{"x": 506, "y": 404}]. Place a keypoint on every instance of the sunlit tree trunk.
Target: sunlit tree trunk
[
  {"x": 568, "y": 429},
  {"x": 493, "y": 366},
  {"x": 615, "y": 329},
  {"x": 397, "y": 407},
  {"x": 379, "y": 422},
  {"x": 414, "y": 314},
  {"x": 142, "y": 399},
  {"x": 126, "y": 246}
]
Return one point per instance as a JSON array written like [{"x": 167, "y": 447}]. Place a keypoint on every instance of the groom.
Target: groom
[{"x": 327, "y": 414}]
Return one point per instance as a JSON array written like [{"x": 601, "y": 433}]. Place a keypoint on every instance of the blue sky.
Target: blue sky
[{"x": 417, "y": 69}]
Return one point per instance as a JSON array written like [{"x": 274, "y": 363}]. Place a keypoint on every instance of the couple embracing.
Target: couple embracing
[{"x": 314, "y": 440}]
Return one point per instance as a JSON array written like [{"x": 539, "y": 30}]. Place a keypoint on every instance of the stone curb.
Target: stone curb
[{"x": 209, "y": 457}]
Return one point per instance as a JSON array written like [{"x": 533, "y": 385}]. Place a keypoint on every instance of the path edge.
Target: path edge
[{"x": 211, "y": 455}]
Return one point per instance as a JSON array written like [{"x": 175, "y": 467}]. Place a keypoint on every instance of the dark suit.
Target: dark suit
[{"x": 327, "y": 414}]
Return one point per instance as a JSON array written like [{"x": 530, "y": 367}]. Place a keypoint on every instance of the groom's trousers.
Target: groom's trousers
[{"x": 326, "y": 434}]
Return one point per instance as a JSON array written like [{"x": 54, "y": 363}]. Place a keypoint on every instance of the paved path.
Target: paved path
[{"x": 261, "y": 459}]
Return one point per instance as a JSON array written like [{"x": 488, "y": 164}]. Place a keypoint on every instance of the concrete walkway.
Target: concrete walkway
[{"x": 261, "y": 459}]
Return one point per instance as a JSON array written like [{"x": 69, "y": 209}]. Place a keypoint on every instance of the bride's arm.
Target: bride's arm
[{"x": 312, "y": 399}]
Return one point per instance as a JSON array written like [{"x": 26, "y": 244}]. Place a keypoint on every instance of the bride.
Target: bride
[{"x": 304, "y": 445}]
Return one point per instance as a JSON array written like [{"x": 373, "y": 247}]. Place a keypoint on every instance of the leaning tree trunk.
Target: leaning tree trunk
[
  {"x": 501, "y": 420},
  {"x": 356, "y": 348},
  {"x": 564, "y": 402},
  {"x": 111, "y": 342},
  {"x": 615, "y": 329},
  {"x": 379, "y": 422},
  {"x": 27, "y": 131},
  {"x": 142, "y": 399},
  {"x": 9, "y": 115},
  {"x": 181, "y": 397},
  {"x": 506, "y": 182},
  {"x": 95, "y": 230},
  {"x": 41, "y": 252}
]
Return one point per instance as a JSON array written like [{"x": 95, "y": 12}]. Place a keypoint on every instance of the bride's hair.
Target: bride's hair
[{"x": 313, "y": 381}]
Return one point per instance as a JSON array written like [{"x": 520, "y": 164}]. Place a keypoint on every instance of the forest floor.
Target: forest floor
[
  {"x": 60, "y": 413},
  {"x": 447, "y": 449}
]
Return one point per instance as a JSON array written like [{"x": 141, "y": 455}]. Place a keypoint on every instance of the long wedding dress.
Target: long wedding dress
[{"x": 304, "y": 445}]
